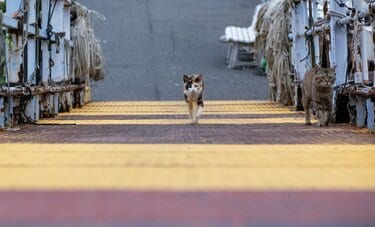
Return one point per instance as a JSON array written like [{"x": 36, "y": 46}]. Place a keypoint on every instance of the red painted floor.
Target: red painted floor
[{"x": 128, "y": 208}]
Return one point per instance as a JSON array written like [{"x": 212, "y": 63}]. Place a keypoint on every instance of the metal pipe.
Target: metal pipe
[
  {"x": 311, "y": 32},
  {"x": 290, "y": 36},
  {"x": 369, "y": 10},
  {"x": 345, "y": 20}
]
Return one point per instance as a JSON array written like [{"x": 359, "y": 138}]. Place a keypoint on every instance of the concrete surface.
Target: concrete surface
[
  {"x": 121, "y": 161},
  {"x": 150, "y": 44}
]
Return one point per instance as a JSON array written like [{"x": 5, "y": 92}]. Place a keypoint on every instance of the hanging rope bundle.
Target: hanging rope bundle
[
  {"x": 87, "y": 53},
  {"x": 96, "y": 53},
  {"x": 81, "y": 57},
  {"x": 2, "y": 51},
  {"x": 356, "y": 44},
  {"x": 273, "y": 28}
]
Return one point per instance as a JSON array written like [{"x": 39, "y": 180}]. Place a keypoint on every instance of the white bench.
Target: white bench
[{"x": 241, "y": 42}]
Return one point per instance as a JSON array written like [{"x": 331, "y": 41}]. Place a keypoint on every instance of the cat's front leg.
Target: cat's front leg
[
  {"x": 198, "y": 114},
  {"x": 190, "y": 108},
  {"x": 328, "y": 112},
  {"x": 195, "y": 114},
  {"x": 307, "y": 116},
  {"x": 320, "y": 115},
  {"x": 327, "y": 117},
  {"x": 307, "y": 106}
]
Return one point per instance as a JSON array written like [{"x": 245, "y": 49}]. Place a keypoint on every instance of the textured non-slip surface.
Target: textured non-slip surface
[
  {"x": 223, "y": 122},
  {"x": 170, "y": 209},
  {"x": 248, "y": 163}
]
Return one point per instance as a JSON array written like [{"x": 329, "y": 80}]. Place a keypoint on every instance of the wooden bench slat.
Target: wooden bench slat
[
  {"x": 239, "y": 37},
  {"x": 246, "y": 35},
  {"x": 252, "y": 34},
  {"x": 237, "y": 34},
  {"x": 228, "y": 33},
  {"x": 234, "y": 34}
]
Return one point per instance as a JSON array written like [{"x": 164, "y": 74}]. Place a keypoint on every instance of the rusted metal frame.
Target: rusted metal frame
[
  {"x": 366, "y": 92},
  {"x": 37, "y": 90},
  {"x": 13, "y": 24}
]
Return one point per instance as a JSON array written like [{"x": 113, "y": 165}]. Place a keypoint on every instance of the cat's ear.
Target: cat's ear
[
  {"x": 186, "y": 78},
  {"x": 333, "y": 69},
  {"x": 317, "y": 67},
  {"x": 199, "y": 78}
]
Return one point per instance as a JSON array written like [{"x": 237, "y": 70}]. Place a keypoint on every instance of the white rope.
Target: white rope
[
  {"x": 273, "y": 29},
  {"x": 356, "y": 43},
  {"x": 80, "y": 44},
  {"x": 98, "y": 15},
  {"x": 87, "y": 55}
]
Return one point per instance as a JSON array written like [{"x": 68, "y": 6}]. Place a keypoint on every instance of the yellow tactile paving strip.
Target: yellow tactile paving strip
[
  {"x": 186, "y": 167},
  {"x": 226, "y": 121},
  {"x": 179, "y": 108}
]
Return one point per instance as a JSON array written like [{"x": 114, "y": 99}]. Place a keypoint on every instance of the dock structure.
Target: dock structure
[
  {"x": 46, "y": 65},
  {"x": 69, "y": 160},
  {"x": 142, "y": 163},
  {"x": 297, "y": 35}
]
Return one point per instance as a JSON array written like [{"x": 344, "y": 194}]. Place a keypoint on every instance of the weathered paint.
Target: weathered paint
[
  {"x": 371, "y": 115},
  {"x": 361, "y": 111}
]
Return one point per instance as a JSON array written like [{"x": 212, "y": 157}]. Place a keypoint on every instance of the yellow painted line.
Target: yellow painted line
[
  {"x": 220, "y": 121},
  {"x": 186, "y": 167}
]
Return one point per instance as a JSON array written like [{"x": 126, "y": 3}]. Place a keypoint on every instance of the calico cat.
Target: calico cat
[
  {"x": 317, "y": 91},
  {"x": 193, "y": 92}
]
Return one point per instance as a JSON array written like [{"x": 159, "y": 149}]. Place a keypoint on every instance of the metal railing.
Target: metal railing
[{"x": 349, "y": 27}]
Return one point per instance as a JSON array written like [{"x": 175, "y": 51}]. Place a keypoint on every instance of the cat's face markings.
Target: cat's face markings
[
  {"x": 193, "y": 83},
  {"x": 325, "y": 78}
]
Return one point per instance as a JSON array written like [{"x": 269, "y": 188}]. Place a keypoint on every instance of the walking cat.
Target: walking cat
[
  {"x": 193, "y": 92},
  {"x": 317, "y": 91}
]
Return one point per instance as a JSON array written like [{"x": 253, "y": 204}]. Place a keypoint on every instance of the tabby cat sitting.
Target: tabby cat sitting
[
  {"x": 193, "y": 92},
  {"x": 317, "y": 91}
]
